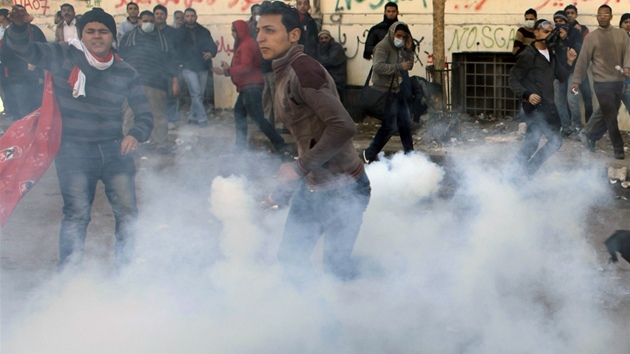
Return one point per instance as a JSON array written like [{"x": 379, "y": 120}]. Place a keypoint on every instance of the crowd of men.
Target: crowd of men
[
  {"x": 551, "y": 100},
  {"x": 283, "y": 66}
]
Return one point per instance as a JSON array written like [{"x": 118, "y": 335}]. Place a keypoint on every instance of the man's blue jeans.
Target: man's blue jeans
[
  {"x": 568, "y": 105},
  {"x": 397, "y": 118},
  {"x": 543, "y": 122},
  {"x": 250, "y": 102},
  {"x": 79, "y": 167},
  {"x": 337, "y": 214},
  {"x": 196, "y": 81}
]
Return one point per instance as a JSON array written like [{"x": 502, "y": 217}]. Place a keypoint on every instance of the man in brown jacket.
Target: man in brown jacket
[{"x": 331, "y": 189}]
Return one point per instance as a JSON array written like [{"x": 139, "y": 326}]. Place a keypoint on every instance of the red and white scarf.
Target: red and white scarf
[{"x": 77, "y": 77}]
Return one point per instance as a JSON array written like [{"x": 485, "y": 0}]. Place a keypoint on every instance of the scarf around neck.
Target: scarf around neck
[{"x": 77, "y": 78}]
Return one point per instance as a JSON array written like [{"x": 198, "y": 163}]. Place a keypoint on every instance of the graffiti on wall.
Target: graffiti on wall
[
  {"x": 6, "y": 2},
  {"x": 243, "y": 5},
  {"x": 373, "y": 4},
  {"x": 550, "y": 5},
  {"x": 34, "y": 6},
  {"x": 482, "y": 37},
  {"x": 223, "y": 46}
]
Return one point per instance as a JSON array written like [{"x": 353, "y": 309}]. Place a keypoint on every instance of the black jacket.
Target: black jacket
[
  {"x": 375, "y": 35},
  {"x": 309, "y": 38},
  {"x": 190, "y": 44},
  {"x": 532, "y": 73}
]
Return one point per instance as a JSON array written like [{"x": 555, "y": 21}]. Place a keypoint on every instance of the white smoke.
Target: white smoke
[{"x": 495, "y": 268}]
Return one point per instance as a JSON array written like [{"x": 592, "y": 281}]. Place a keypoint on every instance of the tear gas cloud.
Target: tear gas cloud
[{"x": 495, "y": 268}]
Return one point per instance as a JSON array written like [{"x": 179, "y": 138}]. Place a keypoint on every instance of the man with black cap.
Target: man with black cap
[{"x": 90, "y": 83}]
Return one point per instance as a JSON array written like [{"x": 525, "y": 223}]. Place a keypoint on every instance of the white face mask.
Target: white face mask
[
  {"x": 147, "y": 27},
  {"x": 398, "y": 43},
  {"x": 257, "y": 18},
  {"x": 529, "y": 23}
]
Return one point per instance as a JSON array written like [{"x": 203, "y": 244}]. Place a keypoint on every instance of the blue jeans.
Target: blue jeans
[
  {"x": 196, "y": 81},
  {"x": 568, "y": 105},
  {"x": 541, "y": 122},
  {"x": 250, "y": 102},
  {"x": 337, "y": 214},
  {"x": 79, "y": 167},
  {"x": 397, "y": 118}
]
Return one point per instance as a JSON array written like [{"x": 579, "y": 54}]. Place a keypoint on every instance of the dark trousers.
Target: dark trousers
[
  {"x": 26, "y": 97},
  {"x": 609, "y": 97},
  {"x": 337, "y": 214},
  {"x": 542, "y": 122},
  {"x": 587, "y": 97},
  {"x": 397, "y": 118},
  {"x": 79, "y": 168},
  {"x": 250, "y": 102}
]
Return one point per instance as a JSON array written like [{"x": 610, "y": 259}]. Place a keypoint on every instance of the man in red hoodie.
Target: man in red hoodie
[{"x": 247, "y": 76}]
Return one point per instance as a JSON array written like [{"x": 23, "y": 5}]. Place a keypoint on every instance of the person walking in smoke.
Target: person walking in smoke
[
  {"x": 392, "y": 56},
  {"x": 248, "y": 79},
  {"x": 331, "y": 187},
  {"x": 91, "y": 83},
  {"x": 532, "y": 79}
]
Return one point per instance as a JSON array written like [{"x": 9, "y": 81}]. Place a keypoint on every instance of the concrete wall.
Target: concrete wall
[{"x": 472, "y": 25}]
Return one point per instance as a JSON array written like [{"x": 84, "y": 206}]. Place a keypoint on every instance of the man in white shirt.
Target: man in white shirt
[{"x": 66, "y": 29}]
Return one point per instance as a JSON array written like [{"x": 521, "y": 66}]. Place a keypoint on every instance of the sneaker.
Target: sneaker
[
  {"x": 620, "y": 155},
  {"x": 588, "y": 142}
]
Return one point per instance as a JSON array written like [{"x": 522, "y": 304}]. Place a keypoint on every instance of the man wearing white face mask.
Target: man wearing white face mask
[
  {"x": 150, "y": 53},
  {"x": 525, "y": 35},
  {"x": 392, "y": 56}
]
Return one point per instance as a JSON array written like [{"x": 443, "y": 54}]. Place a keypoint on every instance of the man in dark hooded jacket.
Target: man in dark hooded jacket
[
  {"x": 247, "y": 77},
  {"x": 333, "y": 57},
  {"x": 379, "y": 31}
]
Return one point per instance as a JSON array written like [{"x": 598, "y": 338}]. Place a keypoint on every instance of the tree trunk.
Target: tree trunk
[{"x": 438, "y": 39}]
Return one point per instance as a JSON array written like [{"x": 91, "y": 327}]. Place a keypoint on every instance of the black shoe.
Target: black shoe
[
  {"x": 203, "y": 124},
  {"x": 588, "y": 142},
  {"x": 192, "y": 122},
  {"x": 620, "y": 155}
]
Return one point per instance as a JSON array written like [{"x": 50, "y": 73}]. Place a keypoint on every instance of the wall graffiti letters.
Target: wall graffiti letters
[
  {"x": 374, "y": 4},
  {"x": 244, "y": 4},
  {"x": 482, "y": 37},
  {"x": 222, "y": 47},
  {"x": 549, "y": 5},
  {"x": 34, "y": 6},
  {"x": 6, "y": 2}
]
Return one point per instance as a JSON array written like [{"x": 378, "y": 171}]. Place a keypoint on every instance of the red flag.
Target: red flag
[{"x": 27, "y": 149}]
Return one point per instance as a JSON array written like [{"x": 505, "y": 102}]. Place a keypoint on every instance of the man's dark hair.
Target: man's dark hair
[
  {"x": 146, "y": 13},
  {"x": 571, "y": 7},
  {"x": 290, "y": 15},
  {"x": 178, "y": 12},
  {"x": 403, "y": 27},
  {"x": 67, "y": 5},
  {"x": 131, "y": 3},
  {"x": 531, "y": 12},
  {"x": 160, "y": 7},
  {"x": 5, "y": 13},
  {"x": 391, "y": 4},
  {"x": 605, "y": 7},
  {"x": 190, "y": 9}
]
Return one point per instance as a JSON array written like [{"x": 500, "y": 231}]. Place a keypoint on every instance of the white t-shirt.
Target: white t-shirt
[
  {"x": 545, "y": 53},
  {"x": 70, "y": 30}
]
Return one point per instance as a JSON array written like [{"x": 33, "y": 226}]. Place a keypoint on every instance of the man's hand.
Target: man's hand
[
  {"x": 574, "y": 89},
  {"x": 563, "y": 33},
  {"x": 578, "y": 26},
  {"x": 218, "y": 71},
  {"x": 534, "y": 99},
  {"x": 571, "y": 55},
  {"x": 626, "y": 72},
  {"x": 207, "y": 55},
  {"x": 407, "y": 65},
  {"x": 287, "y": 174},
  {"x": 19, "y": 16},
  {"x": 408, "y": 42},
  {"x": 30, "y": 67},
  {"x": 224, "y": 65},
  {"x": 175, "y": 87},
  {"x": 128, "y": 145}
]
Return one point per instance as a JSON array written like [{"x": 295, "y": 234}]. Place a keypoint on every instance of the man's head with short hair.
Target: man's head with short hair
[
  {"x": 278, "y": 29},
  {"x": 190, "y": 17},
  {"x": 624, "y": 22},
  {"x": 572, "y": 12},
  {"x": 132, "y": 9},
  {"x": 391, "y": 10},
  {"x": 161, "y": 14},
  {"x": 145, "y": 13},
  {"x": 604, "y": 16},
  {"x": 254, "y": 9},
  {"x": 303, "y": 6},
  {"x": 531, "y": 14},
  {"x": 4, "y": 14},
  {"x": 67, "y": 12}
]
